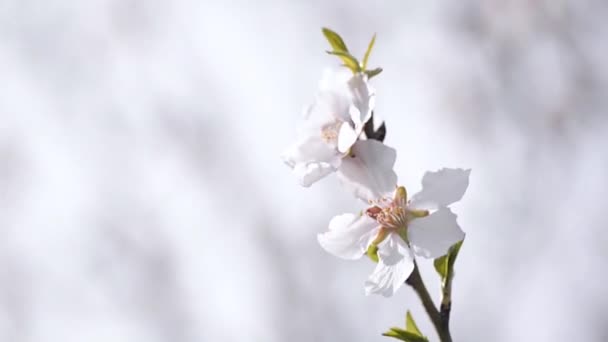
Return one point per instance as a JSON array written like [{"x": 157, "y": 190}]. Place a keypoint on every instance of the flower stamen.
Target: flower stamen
[
  {"x": 393, "y": 217},
  {"x": 330, "y": 132}
]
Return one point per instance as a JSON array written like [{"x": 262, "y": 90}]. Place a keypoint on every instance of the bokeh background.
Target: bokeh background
[{"x": 142, "y": 197}]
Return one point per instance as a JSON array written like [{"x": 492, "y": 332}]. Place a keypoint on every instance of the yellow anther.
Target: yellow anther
[
  {"x": 401, "y": 194},
  {"x": 419, "y": 213}
]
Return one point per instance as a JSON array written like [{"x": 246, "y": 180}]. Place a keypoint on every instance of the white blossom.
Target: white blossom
[
  {"x": 423, "y": 226},
  {"x": 329, "y": 137}
]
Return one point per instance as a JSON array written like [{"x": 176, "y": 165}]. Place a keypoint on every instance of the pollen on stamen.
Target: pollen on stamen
[
  {"x": 329, "y": 136},
  {"x": 373, "y": 212},
  {"x": 392, "y": 217}
]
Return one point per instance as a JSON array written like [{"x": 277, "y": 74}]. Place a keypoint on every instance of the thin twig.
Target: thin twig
[
  {"x": 440, "y": 320},
  {"x": 446, "y": 301}
]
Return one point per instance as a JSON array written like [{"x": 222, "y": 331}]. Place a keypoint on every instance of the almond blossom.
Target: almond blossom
[
  {"x": 400, "y": 229},
  {"x": 329, "y": 137}
]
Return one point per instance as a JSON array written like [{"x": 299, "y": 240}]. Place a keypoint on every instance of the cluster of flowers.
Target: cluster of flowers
[{"x": 393, "y": 229}]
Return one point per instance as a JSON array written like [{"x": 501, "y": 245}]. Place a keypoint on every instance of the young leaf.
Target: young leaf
[
  {"x": 444, "y": 265},
  {"x": 441, "y": 266},
  {"x": 404, "y": 335},
  {"x": 349, "y": 61},
  {"x": 410, "y": 325},
  {"x": 334, "y": 40},
  {"x": 369, "y": 50},
  {"x": 373, "y": 72}
]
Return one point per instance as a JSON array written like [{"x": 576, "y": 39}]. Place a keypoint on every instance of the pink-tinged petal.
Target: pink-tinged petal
[
  {"x": 395, "y": 265},
  {"x": 311, "y": 159},
  {"x": 349, "y": 235},
  {"x": 346, "y": 137},
  {"x": 432, "y": 236},
  {"x": 368, "y": 171},
  {"x": 441, "y": 188}
]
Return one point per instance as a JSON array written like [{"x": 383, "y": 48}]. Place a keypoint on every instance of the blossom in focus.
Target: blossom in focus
[
  {"x": 401, "y": 229},
  {"x": 328, "y": 138}
]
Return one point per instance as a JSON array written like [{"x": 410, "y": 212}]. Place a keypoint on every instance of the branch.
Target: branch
[
  {"x": 446, "y": 302},
  {"x": 440, "y": 320}
]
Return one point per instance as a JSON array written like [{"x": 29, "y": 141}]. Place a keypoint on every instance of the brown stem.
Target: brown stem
[
  {"x": 446, "y": 301},
  {"x": 440, "y": 319}
]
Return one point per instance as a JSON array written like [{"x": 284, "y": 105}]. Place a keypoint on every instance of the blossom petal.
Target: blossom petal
[
  {"x": 441, "y": 188},
  {"x": 330, "y": 106},
  {"x": 432, "y": 236},
  {"x": 349, "y": 235},
  {"x": 311, "y": 159},
  {"x": 395, "y": 265},
  {"x": 346, "y": 137},
  {"x": 363, "y": 98},
  {"x": 314, "y": 118},
  {"x": 309, "y": 173},
  {"x": 368, "y": 171},
  {"x": 335, "y": 98}
]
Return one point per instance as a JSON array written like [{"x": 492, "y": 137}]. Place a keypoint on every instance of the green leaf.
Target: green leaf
[
  {"x": 348, "y": 59},
  {"x": 441, "y": 266},
  {"x": 369, "y": 50},
  {"x": 444, "y": 265},
  {"x": 405, "y": 335},
  {"x": 410, "y": 334},
  {"x": 372, "y": 253},
  {"x": 334, "y": 40},
  {"x": 373, "y": 72},
  {"x": 410, "y": 325}
]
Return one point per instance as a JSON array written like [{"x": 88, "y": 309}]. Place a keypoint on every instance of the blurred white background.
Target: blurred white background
[{"x": 142, "y": 197}]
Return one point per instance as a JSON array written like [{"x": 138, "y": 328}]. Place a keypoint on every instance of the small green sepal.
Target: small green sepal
[{"x": 372, "y": 253}]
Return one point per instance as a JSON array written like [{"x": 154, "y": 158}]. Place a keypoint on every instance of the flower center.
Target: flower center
[
  {"x": 329, "y": 132},
  {"x": 392, "y": 217},
  {"x": 394, "y": 214}
]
